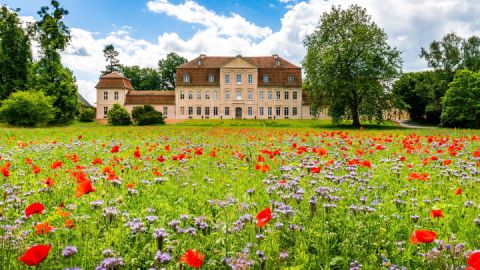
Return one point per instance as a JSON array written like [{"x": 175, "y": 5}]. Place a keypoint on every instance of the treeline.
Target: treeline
[
  {"x": 145, "y": 78},
  {"x": 449, "y": 93},
  {"x": 51, "y": 91}
]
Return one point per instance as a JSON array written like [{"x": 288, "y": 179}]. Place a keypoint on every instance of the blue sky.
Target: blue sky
[{"x": 144, "y": 31}]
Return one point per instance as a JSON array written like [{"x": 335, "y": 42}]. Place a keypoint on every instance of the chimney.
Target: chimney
[
  {"x": 275, "y": 56},
  {"x": 202, "y": 56}
]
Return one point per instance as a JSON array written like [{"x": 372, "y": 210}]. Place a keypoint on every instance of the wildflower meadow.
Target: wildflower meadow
[{"x": 177, "y": 197}]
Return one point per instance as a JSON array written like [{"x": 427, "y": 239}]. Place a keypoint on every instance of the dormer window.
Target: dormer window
[
  {"x": 277, "y": 62},
  {"x": 186, "y": 78},
  {"x": 266, "y": 79},
  {"x": 199, "y": 62},
  {"x": 291, "y": 79},
  {"x": 211, "y": 78}
]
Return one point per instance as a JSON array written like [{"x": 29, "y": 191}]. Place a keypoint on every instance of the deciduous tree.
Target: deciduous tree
[
  {"x": 349, "y": 65},
  {"x": 15, "y": 53},
  {"x": 167, "y": 70}
]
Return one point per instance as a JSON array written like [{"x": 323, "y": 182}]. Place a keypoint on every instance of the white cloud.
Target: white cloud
[{"x": 410, "y": 24}]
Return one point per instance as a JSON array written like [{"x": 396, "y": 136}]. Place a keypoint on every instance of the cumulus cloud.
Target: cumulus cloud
[{"x": 410, "y": 24}]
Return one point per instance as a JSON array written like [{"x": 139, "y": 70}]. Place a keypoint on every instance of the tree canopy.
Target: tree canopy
[
  {"x": 113, "y": 64},
  {"x": 167, "y": 70},
  {"x": 15, "y": 53},
  {"x": 349, "y": 65}
]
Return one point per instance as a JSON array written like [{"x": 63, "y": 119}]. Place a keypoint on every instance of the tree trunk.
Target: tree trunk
[{"x": 355, "y": 117}]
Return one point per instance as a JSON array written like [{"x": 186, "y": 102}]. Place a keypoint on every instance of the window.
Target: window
[
  {"x": 190, "y": 111},
  {"x": 262, "y": 95},
  {"x": 207, "y": 95},
  {"x": 295, "y": 95},
  {"x": 182, "y": 95},
  {"x": 286, "y": 95},
  {"x": 269, "y": 111},
  {"x": 311, "y": 111},
  {"x": 294, "y": 111},
  {"x": 165, "y": 111},
  {"x": 239, "y": 78},
  {"x": 278, "y": 110},
  {"x": 207, "y": 110},
  {"x": 105, "y": 112},
  {"x": 250, "y": 111},
  {"x": 215, "y": 110},
  {"x": 227, "y": 95},
  {"x": 182, "y": 110},
  {"x": 239, "y": 94},
  {"x": 227, "y": 110},
  {"x": 190, "y": 94},
  {"x": 199, "y": 94},
  {"x": 199, "y": 110},
  {"x": 115, "y": 95},
  {"x": 291, "y": 79},
  {"x": 261, "y": 111},
  {"x": 186, "y": 78},
  {"x": 226, "y": 78},
  {"x": 250, "y": 95},
  {"x": 270, "y": 95},
  {"x": 105, "y": 95},
  {"x": 215, "y": 95},
  {"x": 266, "y": 79},
  {"x": 211, "y": 78},
  {"x": 277, "y": 95},
  {"x": 250, "y": 79},
  {"x": 285, "y": 111}
]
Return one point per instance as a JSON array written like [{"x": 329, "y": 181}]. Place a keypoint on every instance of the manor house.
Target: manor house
[{"x": 217, "y": 87}]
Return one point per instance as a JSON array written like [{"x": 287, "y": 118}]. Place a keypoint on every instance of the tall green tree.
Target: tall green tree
[
  {"x": 471, "y": 53},
  {"x": 167, "y": 70},
  {"x": 113, "y": 64},
  {"x": 15, "y": 53},
  {"x": 446, "y": 57},
  {"x": 349, "y": 65},
  {"x": 414, "y": 92},
  {"x": 142, "y": 78},
  {"x": 50, "y": 75},
  {"x": 462, "y": 100}
]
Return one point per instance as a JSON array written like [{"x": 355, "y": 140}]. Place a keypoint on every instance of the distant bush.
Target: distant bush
[
  {"x": 27, "y": 108},
  {"x": 462, "y": 101},
  {"x": 119, "y": 116},
  {"x": 87, "y": 115},
  {"x": 147, "y": 115}
]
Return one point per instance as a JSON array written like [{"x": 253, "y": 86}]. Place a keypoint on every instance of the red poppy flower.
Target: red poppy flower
[
  {"x": 5, "y": 171},
  {"x": 422, "y": 236},
  {"x": 315, "y": 169},
  {"x": 136, "y": 153},
  {"x": 97, "y": 161},
  {"x": 446, "y": 162},
  {"x": 42, "y": 228},
  {"x": 473, "y": 261},
  {"x": 48, "y": 182},
  {"x": 366, "y": 163},
  {"x": 161, "y": 159},
  {"x": 69, "y": 223},
  {"x": 115, "y": 149},
  {"x": 458, "y": 191},
  {"x": 34, "y": 208},
  {"x": 28, "y": 161},
  {"x": 35, "y": 255},
  {"x": 55, "y": 165},
  {"x": 84, "y": 187},
  {"x": 130, "y": 185},
  {"x": 436, "y": 213},
  {"x": 263, "y": 217},
  {"x": 260, "y": 158},
  {"x": 62, "y": 213},
  {"x": 36, "y": 169},
  {"x": 263, "y": 168},
  {"x": 213, "y": 153},
  {"x": 192, "y": 258}
]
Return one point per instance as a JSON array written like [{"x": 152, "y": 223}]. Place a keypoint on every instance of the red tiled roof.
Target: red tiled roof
[
  {"x": 150, "y": 97},
  {"x": 219, "y": 61},
  {"x": 114, "y": 80}
]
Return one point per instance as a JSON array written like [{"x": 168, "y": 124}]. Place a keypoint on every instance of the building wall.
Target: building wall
[{"x": 108, "y": 103}]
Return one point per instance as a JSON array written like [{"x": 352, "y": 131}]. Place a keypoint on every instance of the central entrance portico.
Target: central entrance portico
[{"x": 238, "y": 113}]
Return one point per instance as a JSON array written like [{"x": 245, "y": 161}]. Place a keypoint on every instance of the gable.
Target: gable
[{"x": 238, "y": 62}]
